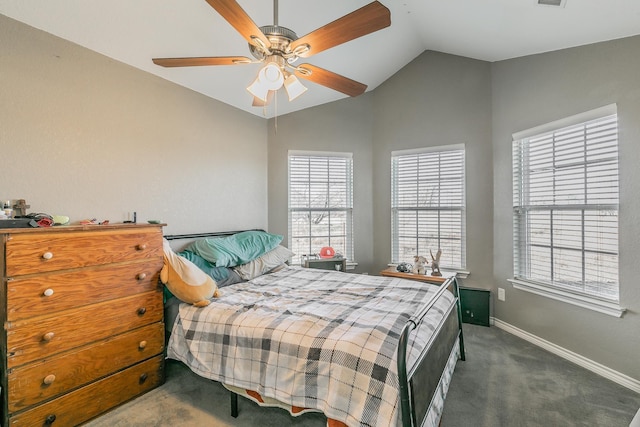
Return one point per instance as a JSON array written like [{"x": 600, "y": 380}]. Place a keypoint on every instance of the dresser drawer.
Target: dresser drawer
[
  {"x": 38, "y": 253},
  {"x": 83, "y": 404},
  {"x": 31, "y": 295},
  {"x": 42, "y": 337},
  {"x": 39, "y": 381}
]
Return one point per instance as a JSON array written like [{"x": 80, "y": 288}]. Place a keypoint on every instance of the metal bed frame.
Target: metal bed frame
[
  {"x": 203, "y": 235},
  {"x": 436, "y": 354}
]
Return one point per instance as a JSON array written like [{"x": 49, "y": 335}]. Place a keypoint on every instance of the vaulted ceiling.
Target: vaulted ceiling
[{"x": 134, "y": 31}]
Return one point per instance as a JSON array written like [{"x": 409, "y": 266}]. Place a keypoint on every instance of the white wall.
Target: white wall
[{"x": 85, "y": 136}]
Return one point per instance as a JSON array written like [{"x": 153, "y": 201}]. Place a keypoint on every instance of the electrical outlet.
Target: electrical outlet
[{"x": 501, "y": 294}]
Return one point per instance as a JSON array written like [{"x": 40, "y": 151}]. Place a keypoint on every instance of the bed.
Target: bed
[{"x": 364, "y": 350}]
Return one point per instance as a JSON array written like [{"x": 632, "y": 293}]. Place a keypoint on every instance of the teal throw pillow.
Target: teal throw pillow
[{"x": 237, "y": 249}]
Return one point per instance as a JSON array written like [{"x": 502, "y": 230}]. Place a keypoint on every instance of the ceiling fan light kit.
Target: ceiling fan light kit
[
  {"x": 293, "y": 87},
  {"x": 270, "y": 79},
  {"x": 279, "y": 48},
  {"x": 271, "y": 76}
]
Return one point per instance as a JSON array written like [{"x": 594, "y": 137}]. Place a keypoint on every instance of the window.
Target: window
[
  {"x": 320, "y": 203},
  {"x": 565, "y": 209},
  {"x": 428, "y": 205}
]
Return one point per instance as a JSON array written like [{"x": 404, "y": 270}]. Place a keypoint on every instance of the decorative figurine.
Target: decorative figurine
[
  {"x": 404, "y": 267},
  {"x": 419, "y": 266},
  {"x": 20, "y": 208},
  {"x": 435, "y": 263}
]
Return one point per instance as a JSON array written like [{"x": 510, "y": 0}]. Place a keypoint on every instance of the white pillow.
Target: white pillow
[{"x": 265, "y": 263}]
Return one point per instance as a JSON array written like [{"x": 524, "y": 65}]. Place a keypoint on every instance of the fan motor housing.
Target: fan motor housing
[{"x": 280, "y": 38}]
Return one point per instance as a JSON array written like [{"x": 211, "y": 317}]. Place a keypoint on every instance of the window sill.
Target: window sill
[
  {"x": 608, "y": 308},
  {"x": 460, "y": 274}
]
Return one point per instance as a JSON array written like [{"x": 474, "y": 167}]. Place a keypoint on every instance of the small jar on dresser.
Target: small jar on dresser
[{"x": 82, "y": 312}]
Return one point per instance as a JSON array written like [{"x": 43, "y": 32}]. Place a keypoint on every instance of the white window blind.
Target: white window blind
[
  {"x": 428, "y": 204},
  {"x": 565, "y": 208},
  {"x": 320, "y": 203}
]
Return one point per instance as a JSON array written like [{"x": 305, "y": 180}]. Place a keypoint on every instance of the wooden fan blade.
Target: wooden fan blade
[
  {"x": 238, "y": 18},
  {"x": 196, "y": 62},
  {"x": 332, "y": 80},
  {"x": 368, "y": 19}
]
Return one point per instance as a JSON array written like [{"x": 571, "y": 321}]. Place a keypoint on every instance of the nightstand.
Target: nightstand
[
  {"x": 475, "y": 305},
  {"x": 338, "y": 264}
]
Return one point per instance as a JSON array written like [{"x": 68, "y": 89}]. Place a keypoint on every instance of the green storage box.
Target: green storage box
[{"x": 475, "y": 305}]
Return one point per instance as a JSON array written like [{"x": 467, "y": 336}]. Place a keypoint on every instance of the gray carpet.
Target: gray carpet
[{"x": 505, "y": 381}]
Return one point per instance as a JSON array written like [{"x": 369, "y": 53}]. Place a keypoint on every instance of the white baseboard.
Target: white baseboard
[{"x": 610, "y": 374}]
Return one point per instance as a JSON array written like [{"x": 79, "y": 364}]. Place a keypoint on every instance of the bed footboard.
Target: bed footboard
[{"x": 419, "y": 384}]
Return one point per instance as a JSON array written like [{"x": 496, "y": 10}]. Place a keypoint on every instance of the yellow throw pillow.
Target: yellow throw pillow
[{"x": 185, "y": 280}]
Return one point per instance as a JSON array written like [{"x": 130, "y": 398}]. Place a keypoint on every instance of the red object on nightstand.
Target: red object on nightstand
[{"x": 327, "y": 252}]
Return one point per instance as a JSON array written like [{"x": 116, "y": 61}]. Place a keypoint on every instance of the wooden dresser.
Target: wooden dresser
[{"x": 83, "y": 321}]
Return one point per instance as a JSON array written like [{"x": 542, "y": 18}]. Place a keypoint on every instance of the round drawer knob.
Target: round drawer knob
[
  {"x": 141, "y": 311},
  {"x": 48, "y": 292},
  {"x": 49, "y": 379},
  {"x": 48, "y": 336},
  {"x": 143, "y": 378},
  {"x": 142, "y": 276},
  {"x": 141, "y": 247},
  {"x": 47, "y": 255},
  {"x": 49, "y": 420},
  {"x": 142, "y": 345}
]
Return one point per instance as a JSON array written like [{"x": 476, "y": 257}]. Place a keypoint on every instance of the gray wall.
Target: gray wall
[
  {"x": 443, "y": 99},
  {"x": 539, "y": 89},
  {"x": 342, "y": 126},
  {"x": 438, "y": 99},
  {"x": 88, "y": 137}
]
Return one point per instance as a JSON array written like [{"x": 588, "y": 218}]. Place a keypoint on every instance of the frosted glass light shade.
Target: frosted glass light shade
[
  {"x": 258, "y": 90},
  {"x": 293, "y": 87},
  {"x": 271, "y": 76}
]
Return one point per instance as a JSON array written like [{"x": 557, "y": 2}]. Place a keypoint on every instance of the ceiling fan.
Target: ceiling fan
[{"x": 279, "y": 48}]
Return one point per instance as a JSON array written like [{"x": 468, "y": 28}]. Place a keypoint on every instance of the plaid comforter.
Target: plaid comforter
[{"x": 310, "y": 338}]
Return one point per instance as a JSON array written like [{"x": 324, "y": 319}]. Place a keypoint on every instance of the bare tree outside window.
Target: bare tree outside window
[{"x": 320, "y": 203}]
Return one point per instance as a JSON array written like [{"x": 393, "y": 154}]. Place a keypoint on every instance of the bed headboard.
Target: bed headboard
[
  {"x": 185, "y": 239},
  {"x": 210, "y": 234}
]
